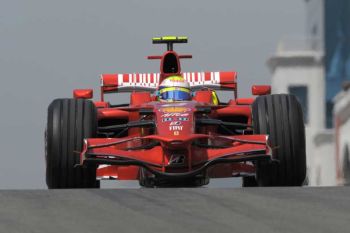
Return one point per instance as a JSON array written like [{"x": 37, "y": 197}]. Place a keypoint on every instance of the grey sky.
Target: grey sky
[{"x": 48, "y": 48}]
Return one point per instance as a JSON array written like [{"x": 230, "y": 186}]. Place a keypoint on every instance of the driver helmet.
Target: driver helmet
[{"x": 174, "y": 88}]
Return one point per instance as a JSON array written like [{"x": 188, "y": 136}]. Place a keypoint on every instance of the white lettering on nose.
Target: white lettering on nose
[
  {"x": 176, "y": 114},
  {"x": 175, "y": 127}
]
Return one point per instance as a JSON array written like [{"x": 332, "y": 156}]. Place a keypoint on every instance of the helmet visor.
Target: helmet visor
[{"x": 175, "y": 94}]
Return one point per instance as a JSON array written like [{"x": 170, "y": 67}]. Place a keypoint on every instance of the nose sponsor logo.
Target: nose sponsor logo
[
  {"x": 175, "y": 128},
  {"x": 175, "y": 123},
  {"x": 174, "y": 110},
  {"x": 175, "y": 114},
  {"x": 167, "y": 119}
]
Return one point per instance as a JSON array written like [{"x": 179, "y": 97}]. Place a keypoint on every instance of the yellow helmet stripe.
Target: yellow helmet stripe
[{"x": 174, "y": 89}]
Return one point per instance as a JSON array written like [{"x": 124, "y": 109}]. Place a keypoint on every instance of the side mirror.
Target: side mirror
[
  {"x": 261, "y": 89},
  {"x": 83, "y": 94}
]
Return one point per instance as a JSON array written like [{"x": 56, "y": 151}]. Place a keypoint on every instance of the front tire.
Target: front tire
[
  {"x": 69, "y": 122},
  {"x": 280, "y": 116}
]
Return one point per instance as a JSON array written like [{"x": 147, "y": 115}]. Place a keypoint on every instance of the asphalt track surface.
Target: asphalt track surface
[{"x": 177, "y": 210}]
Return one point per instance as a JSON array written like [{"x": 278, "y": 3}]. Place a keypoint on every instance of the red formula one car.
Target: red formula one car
[{"x": 175, "y": 143}]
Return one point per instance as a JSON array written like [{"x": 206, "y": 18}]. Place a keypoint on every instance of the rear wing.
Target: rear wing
[
  {"x": 149, "y": 82},
  {"x": 129, "y": 82},
  {"x": 213, "y": 80},
  {"x": 111, "y": 83}
]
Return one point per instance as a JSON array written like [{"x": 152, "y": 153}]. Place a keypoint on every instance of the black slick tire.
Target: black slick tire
[
  {"x": 69, "y": 121},
  {"x": 280, "y": 116}
]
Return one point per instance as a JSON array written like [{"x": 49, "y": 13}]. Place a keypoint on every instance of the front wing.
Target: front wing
[{"x": 181, "y": 158}]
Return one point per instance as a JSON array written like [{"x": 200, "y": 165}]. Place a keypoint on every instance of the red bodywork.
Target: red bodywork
[{"x": 176, "y": 139}]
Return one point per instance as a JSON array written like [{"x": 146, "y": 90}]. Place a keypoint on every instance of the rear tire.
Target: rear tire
[
  {"x": 280, "y": 116},
  {"x": 69, "y": 122}
]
